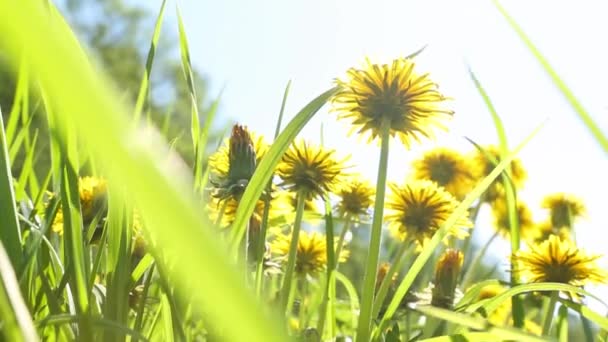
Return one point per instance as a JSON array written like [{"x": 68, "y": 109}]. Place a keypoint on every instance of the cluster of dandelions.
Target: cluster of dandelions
[{"x": 383, "y": 101}]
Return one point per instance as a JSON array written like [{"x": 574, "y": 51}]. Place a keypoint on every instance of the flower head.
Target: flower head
[
  {"x": 408, "y": 100},
  {"x": 235, "y": 162},
  {"x": 92, "y": 192},
  {"x": 418, "y": 209},
  {"x": 558, "y": 260},
  {"x": 311, "y": 256},
  {"x": 447, "y": 273},
  {"x": 448, "y": 169},
  {"x": 356, "y": 198},
  {"x": 527, "y": 227},
  {"x": 563, "y": 209},
  {"x": 485, "y": 165},
  {"x": 310, "y": 169}
]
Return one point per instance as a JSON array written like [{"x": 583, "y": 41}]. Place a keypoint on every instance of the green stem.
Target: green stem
[
  {"x": 369, "y": 282},
  {"x": 386, "y": 282},
  {"x": 345, "y": 229},
  {"x": 259, "y": 270},
  {"x": 476, "y": 261},
  {"x": 549, "y": 313},
  {"x": 293, "y": 249},
  {"x": 332, "y": 262}
]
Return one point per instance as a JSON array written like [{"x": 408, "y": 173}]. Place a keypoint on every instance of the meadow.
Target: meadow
[{"x": 260, "y": 238}]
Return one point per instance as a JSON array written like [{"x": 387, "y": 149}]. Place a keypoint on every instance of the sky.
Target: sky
[{"x": 249, "y": 50}]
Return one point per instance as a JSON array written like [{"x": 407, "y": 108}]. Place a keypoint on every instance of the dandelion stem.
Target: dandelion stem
[
  {"x": 549, "y": 313},
  {"x": 345, "y": 229},
  {"x": 259, "y": 270},
  {"x": 466, "y": 246},
  {"x": 369, "y": 282},
  {"x": 386, "y": 282},
  {"x": 293, "y": 249}
]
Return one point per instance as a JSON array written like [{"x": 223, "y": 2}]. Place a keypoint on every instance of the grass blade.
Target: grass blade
[
  {"x": 559, "y": 83},
  {"x": 14, "y": 315},
  {"x": 266, "y": 167},
  {"x": 10, "y": 234},
  {"x": 144, "y": 88}
]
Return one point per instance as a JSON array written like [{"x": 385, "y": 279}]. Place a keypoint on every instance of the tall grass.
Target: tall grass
[{"x": 90, "y": 282}]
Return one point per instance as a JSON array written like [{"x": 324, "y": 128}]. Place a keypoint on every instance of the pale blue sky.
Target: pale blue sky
[{"x": 252, "y": 48}]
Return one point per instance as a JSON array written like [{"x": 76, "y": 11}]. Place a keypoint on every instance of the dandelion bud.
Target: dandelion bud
[{"x": 446, "y": 278}]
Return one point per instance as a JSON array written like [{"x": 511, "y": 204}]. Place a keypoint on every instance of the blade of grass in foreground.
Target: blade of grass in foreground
[
  {"x": 266, "y": 168},
  {"x": 561, "y": 85},
  {"x": 426, "y": 253},
  {"x": 135, "y": 159},
  {"x": 14, "y": 315},
  {"x": 10, "y": 234}
]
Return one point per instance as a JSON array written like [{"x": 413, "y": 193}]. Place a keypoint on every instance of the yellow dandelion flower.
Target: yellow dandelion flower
[
  {"x": 447, "y": 273},
  {"x": 310, "y": 169},
  {"x": 448, "y": 168},
  {"x": 483, "y": 167},
  {"x": 232, "y": 166},
  {"x": 311, "y": 256},
  {"x": 558, "y": 260},
  {"x": 564, "y": 209},
  {"x": 57, "y": 225},
  {"x": 383, "y": 269},
  {"x": 93, "y": 198},
  {"x": 410, "y": 101},
  {"x": 418, "y": 209},
  {"x": 356, "y": 198},
  {"x": 527, "y": 228},
  {"x": 93, "y": 191},
  {"x": 227, "y": 208},
  {"x": 546, "y": 229}
]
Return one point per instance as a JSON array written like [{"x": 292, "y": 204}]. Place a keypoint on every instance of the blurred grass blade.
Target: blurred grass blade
[
  {"x": 144, "y": 88},
  {"x": 14, "y": 315},
  {"x": 137, "y": 159},
  {"x": 598, "y": 319},
  {"x": 10, "y": 234},
  {"x": 266, "y": 167},
  {"x": 492, "y": 304},
  {"x": 430, "y": 248},
  {"x": 561, "y": 85},
  {"x": 476, "y": 323}
]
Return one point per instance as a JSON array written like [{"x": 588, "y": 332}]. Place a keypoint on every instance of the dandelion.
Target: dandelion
[
  {"x": 310, "y": 170},
  {"x": 484, "y": 166},
  {"x": 311, "y": 254},
  {"x": 447, "y": 273},
  {"x": 235, "y": 162},
  {"x": 394, "y": 93},
  {"x": 417, "y": 210},
  {"x": 224, "y": 211},
  {"x": 92, "y": 193},
  {"x": 447, "y": 168},
  {"x": 356, "y": 198},
  {"x": 560, "y": 261},
  {"x": 527, "y": 227},
  {"x": 564, "y": 209}
]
